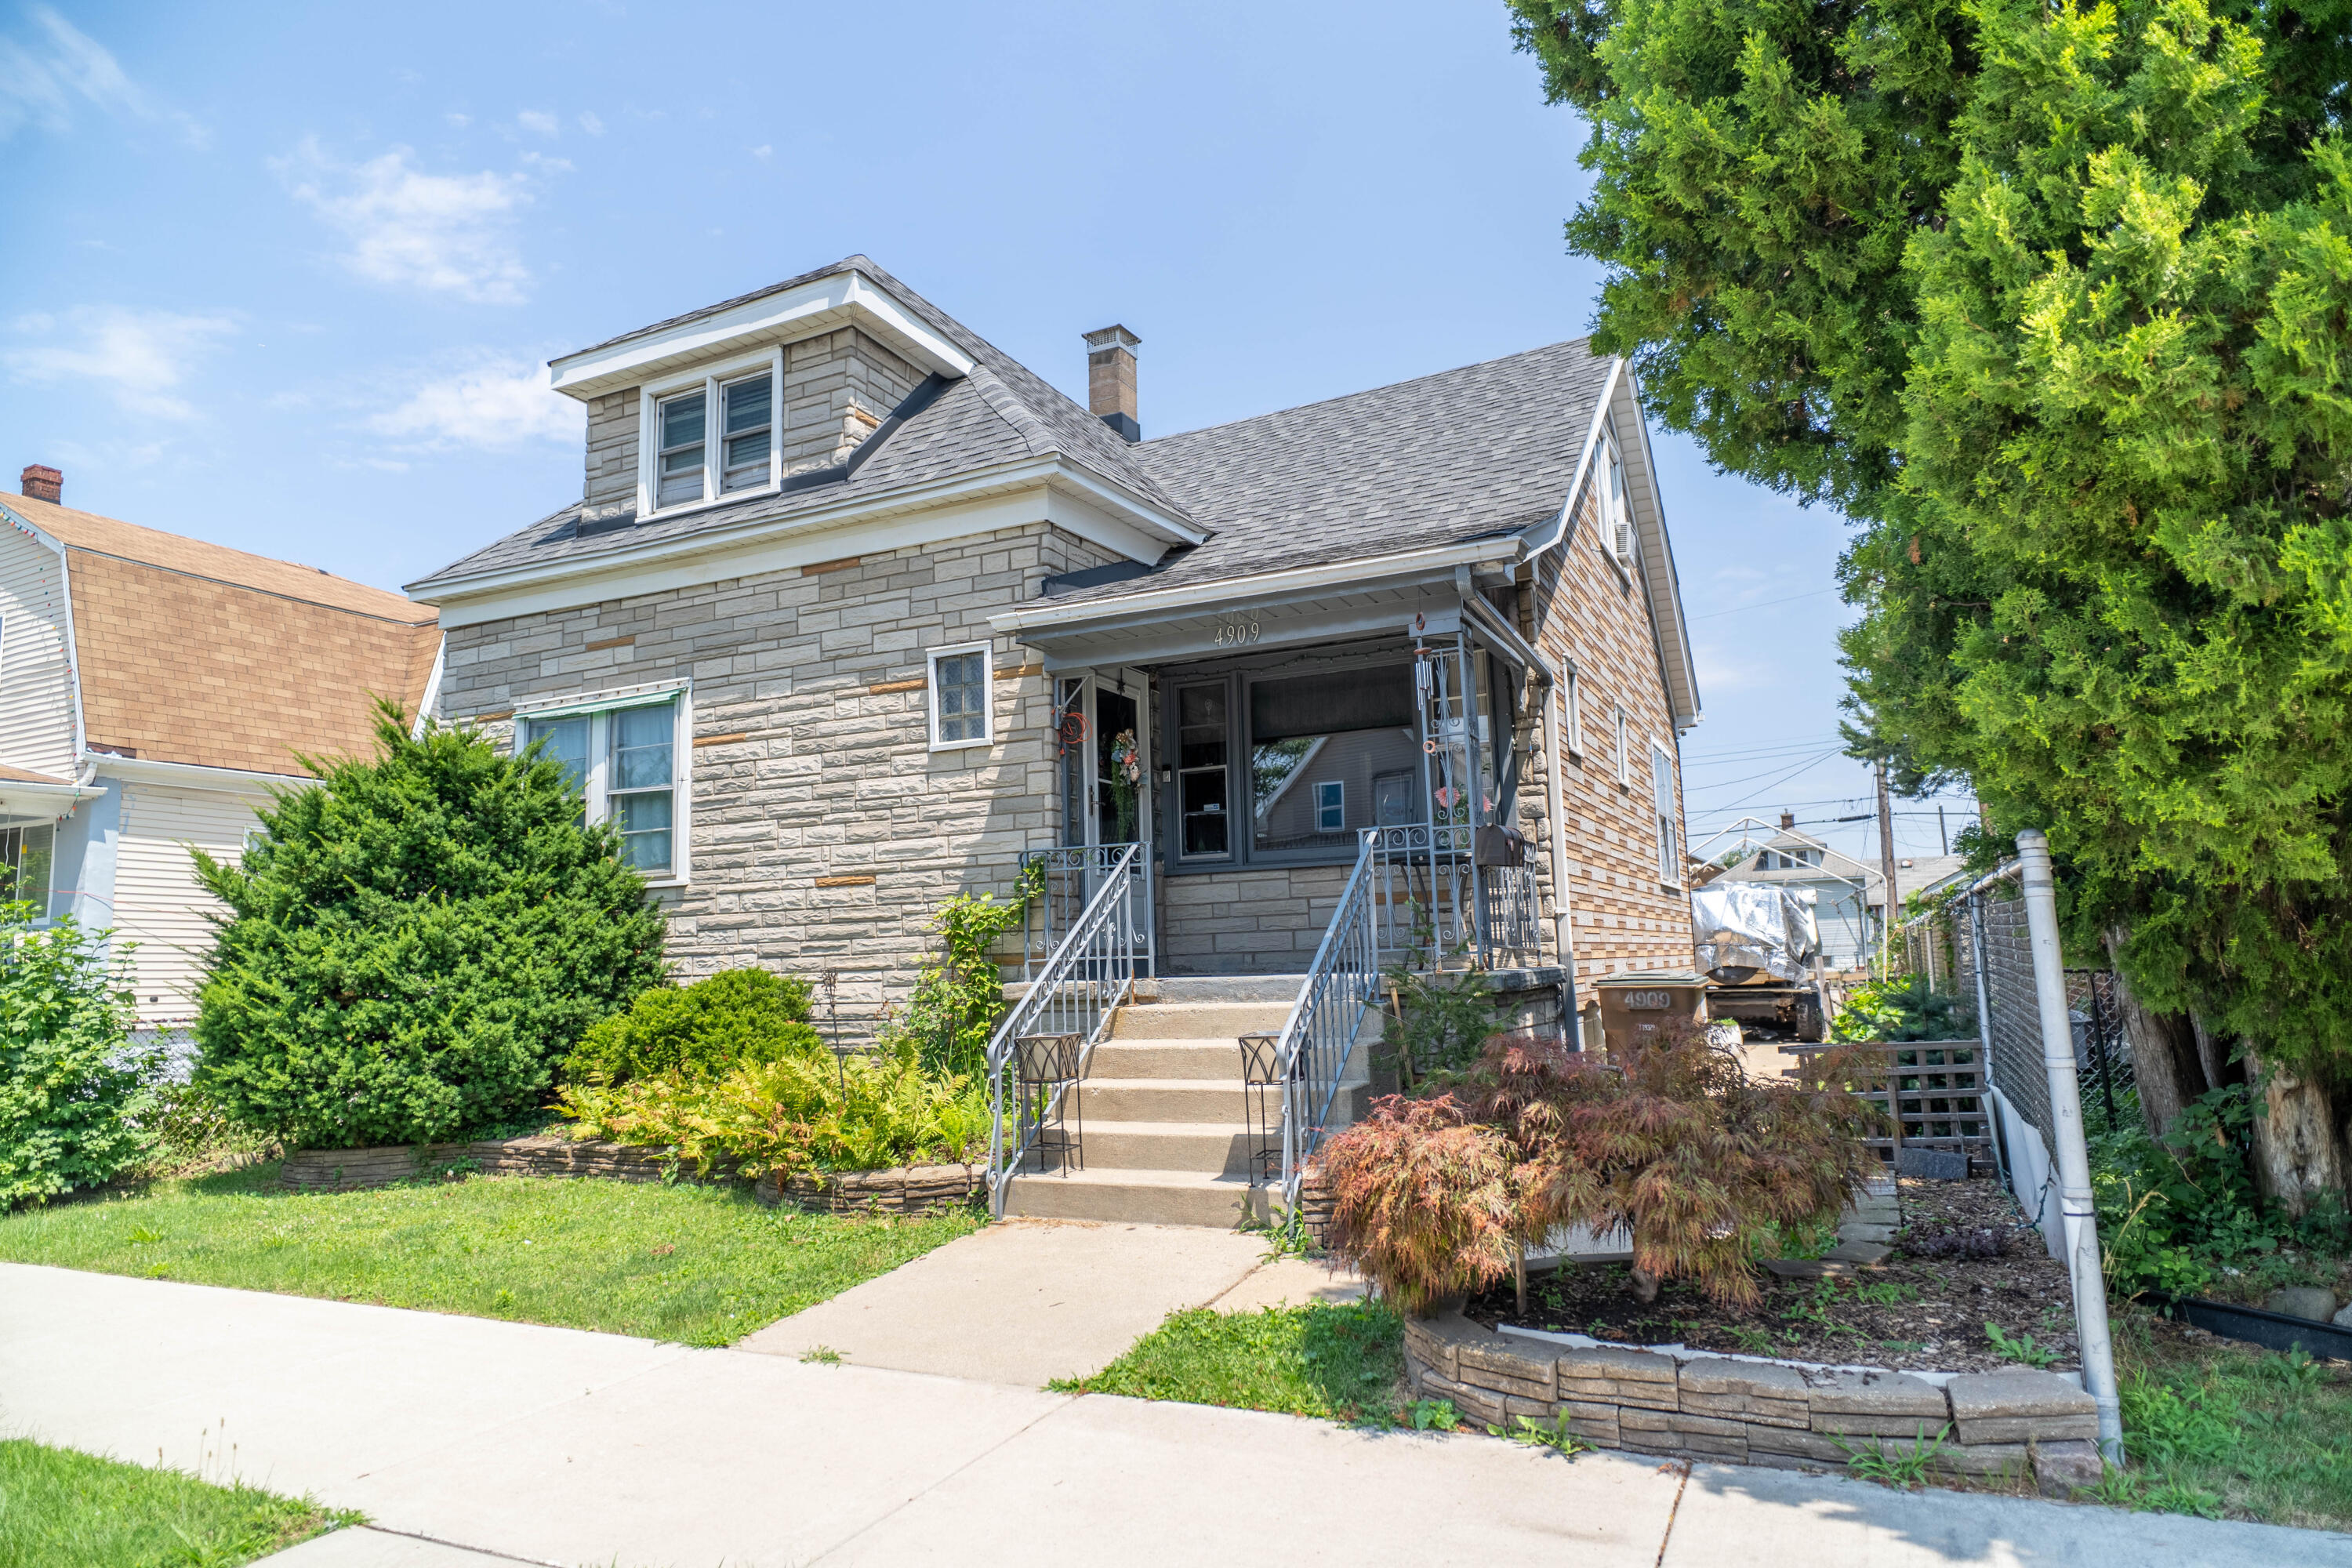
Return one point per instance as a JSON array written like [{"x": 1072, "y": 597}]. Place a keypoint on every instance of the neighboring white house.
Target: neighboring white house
[{"x": 154, "y": 691}]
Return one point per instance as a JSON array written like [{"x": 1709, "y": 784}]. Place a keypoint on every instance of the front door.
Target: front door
[{"x": 1106, "y": 775}]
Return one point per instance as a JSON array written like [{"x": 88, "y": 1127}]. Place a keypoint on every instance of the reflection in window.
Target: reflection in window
[
  {"x": 1320, "y": 748},
  {"x": 624, "y": 763},
  {"x": 1201, "y": 775}
]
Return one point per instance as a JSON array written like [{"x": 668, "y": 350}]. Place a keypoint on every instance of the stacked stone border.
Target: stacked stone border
[
  {"x": 1722, "y": 1410},
  {"x": 907, "y": 1189}
]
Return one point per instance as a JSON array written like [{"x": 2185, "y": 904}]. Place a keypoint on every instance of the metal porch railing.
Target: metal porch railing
[
  {"x": 1089, "y": 974},
  {"x": 1073, "y": 874},
  {"x": 1416, "y": 897}
]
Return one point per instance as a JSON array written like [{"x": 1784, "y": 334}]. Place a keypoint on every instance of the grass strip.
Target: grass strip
[
  {"x": 1341, "y": 1363},
  {"x": 2231, "y": 1431},
  {"x": 696, "y": 1265},
  {"x": 59, "y": 1508}
]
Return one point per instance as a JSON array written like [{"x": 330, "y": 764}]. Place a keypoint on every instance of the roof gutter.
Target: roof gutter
[{"x": 1056, "y": 469}]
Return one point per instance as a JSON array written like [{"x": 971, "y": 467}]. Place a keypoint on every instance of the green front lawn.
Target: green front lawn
[
  {"x": 702, "y": 1266},
  {"x": 1343, "y": 1363},
  {"x": 59, "y": 1508}
]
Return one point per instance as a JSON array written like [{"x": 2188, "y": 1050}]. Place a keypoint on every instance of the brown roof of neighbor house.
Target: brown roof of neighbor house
[
  {"x": 191, "y": 652},
  {"x": 26, "y": 775}
]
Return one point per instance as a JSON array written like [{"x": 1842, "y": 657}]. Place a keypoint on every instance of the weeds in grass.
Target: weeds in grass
[
  {"x": 1906, "y": 1469},
  {"x": 2022, "y": 1350},
  {"x": 1433, "y": 1415},
  {"x": 1755, "y": 1341},
  {"x": 2175, "y": 1498},
  {"x": 1285, "y": 1238},
  {"x": 822, "y": 1356}
]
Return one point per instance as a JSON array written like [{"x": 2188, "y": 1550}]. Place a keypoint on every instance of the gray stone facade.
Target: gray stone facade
[{"x": 824, "y": 830}]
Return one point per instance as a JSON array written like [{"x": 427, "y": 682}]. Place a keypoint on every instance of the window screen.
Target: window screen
[
  {"x": 639, "y": 784},
  {"x": 1662, "y": 803},
  {"x": 961, "y": 681},
  {"x": 1377, "y": 699},
  {"x": 679, "y": 478},
  {"x": 749, "y": 403}
]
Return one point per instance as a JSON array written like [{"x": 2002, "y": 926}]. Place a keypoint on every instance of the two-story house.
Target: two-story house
[
  {"x": 154, "y": 691},
  {"x": 856, "y": 613},
  {"x": 854, "y": 609}
]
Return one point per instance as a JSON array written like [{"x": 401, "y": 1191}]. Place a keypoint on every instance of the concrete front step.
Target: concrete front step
[
  {"x": 1106, "y": 1100},
  {"x": 1208, "y": 1148},
  {"x": 1137, "y": 1197},
  {"x": 1214, "y": 1060},
  {"x": 1198, "y": 1020}
]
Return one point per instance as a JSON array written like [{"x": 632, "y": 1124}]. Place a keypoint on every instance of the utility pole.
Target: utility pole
[
  {"x": 1887, "y": 870},
  {"x": 1943, "y": 833}
]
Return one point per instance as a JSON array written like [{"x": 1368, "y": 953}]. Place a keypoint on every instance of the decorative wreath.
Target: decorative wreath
[{"x": 1070, "y": 728}]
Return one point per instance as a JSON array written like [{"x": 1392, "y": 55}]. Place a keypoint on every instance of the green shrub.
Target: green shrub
[
  {"x": 958, "y": 1004},
  {"x": 706, "y": 1029},
  {"x": 189, "y": 1133},
  {"x": 1439, "y": 1023},
  {"x": 414, "y": 945},
  {"x": 72, "y": 1084},
  {"x": 793, "y": 1114},
  {"x": 1904, "y": 1009}
]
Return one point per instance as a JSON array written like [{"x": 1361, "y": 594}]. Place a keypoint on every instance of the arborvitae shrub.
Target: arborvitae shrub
[
  {"x": 731, "y": 1019},
  {"x": 414, "y": 945}
]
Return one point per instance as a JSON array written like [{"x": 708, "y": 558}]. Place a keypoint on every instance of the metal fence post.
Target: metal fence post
[{"x": 2076, "y": 1210}]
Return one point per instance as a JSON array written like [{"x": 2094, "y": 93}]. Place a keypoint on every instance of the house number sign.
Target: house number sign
[
  {"x": 1648, "y": 1001},
  {"x": 1237, "y": 631}
]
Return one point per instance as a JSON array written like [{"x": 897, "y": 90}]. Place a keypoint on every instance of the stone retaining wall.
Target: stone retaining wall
[
  {"x": 910, "y": 1189},
  {"x": 1726, "y": 1411}
]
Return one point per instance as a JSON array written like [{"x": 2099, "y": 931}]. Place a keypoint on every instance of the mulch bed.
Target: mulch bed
[{"x": 1913, "y": 1314}]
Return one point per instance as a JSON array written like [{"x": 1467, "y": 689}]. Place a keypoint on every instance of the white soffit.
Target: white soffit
[{"x": 837, "y": 299}]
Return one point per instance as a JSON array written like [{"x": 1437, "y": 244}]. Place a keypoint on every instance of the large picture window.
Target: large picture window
[
  {"x": 1277, "y": 768},
  {"x": 624, "y": 761}
]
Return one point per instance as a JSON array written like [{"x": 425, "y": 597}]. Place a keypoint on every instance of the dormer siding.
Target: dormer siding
[{"x": 838, "y": 387}]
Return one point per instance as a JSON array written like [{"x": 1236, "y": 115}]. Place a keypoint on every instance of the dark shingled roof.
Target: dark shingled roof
[
  {"x": 1483, "y": 450},
  {"x": 1464, "y": 454}
]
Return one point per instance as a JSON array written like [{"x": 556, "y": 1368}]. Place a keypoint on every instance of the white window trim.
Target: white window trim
[
  {"x": 987, "y": 652},
  {"x": 1572, "y": 713},
  {"x": 1624, "y": 752},
  {"x": 650, "y": 398},
  {"x": 1611, "y": 467},
  {"x": 681, "y": 764},
  {"x": 1670, "y": 856},
  {"x": 1320, "y": 785}
]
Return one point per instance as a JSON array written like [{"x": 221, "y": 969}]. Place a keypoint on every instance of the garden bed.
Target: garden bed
[{"x": 1905, "y": 1313}]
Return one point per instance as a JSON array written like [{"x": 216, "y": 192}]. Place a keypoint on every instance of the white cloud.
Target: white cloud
[
  {"x": 141, "y": 357},
  {"x": 540, "y": 122},
  {"x": 42, "y": 76},
  {"x": 457, "y": 121},
  {"x": 763, "y": 151},
  {"x": 493, "y": 404},
  {"x": 446, "y": 234},
  {"x": 591, "y": 123}
]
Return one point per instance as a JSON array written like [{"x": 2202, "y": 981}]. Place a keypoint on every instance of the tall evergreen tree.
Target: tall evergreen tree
[{"x": 2055, "y": 301}]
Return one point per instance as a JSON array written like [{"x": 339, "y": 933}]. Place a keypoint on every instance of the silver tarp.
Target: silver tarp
[{"x": 1755, "y": 925}]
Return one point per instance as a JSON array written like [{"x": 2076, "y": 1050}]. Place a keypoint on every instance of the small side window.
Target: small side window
[
  {"x": 959, "y": 715},
  {"x": 1661, "y": 806}
]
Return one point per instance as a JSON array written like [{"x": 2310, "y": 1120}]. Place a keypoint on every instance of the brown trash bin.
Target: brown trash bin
[{"x": 1635, "y": 1005}]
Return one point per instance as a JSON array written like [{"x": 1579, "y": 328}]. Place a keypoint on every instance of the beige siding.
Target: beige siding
[
  {"x": 157, "y": 902},
  {"x": 36, "y": 676}
]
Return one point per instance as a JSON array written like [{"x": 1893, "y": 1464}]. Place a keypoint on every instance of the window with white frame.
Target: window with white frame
[
  {"x": 714, "y": 435},
  {"x": 1624, "y": 752},
  {"x": 1331, "y": 805},
  {"x": 1572, "y": 701},
  {"x": 959, "y": 686},
  {"x": 1617, "y": 536},
  {"x": 1662, "y": 805},
  {"x": 624, "y": 761}
]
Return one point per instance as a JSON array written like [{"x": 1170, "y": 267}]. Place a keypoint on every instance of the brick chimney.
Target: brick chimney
[
  {"x": 42, "y": 482},
  {"x": 1110, "y": 380},
  {"x": 1788, "y": 820}
]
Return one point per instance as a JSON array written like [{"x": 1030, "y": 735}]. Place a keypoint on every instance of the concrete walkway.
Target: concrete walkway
[{"x": 470, "y": 1442}]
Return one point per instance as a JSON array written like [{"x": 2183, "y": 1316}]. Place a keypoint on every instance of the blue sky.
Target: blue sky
[{"x": 287, "y": 281}]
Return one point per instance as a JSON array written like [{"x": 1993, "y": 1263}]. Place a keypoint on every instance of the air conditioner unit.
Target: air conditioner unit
[{"x": 1622, "y": 539}]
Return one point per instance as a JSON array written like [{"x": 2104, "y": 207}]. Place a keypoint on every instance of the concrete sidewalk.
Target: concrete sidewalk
[{"x": 469, "y": 1442}]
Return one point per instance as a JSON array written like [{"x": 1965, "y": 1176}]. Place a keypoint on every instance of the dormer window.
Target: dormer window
[
  {"x": 714, "y": 435},
  {"x": 683, "y": 422}
]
